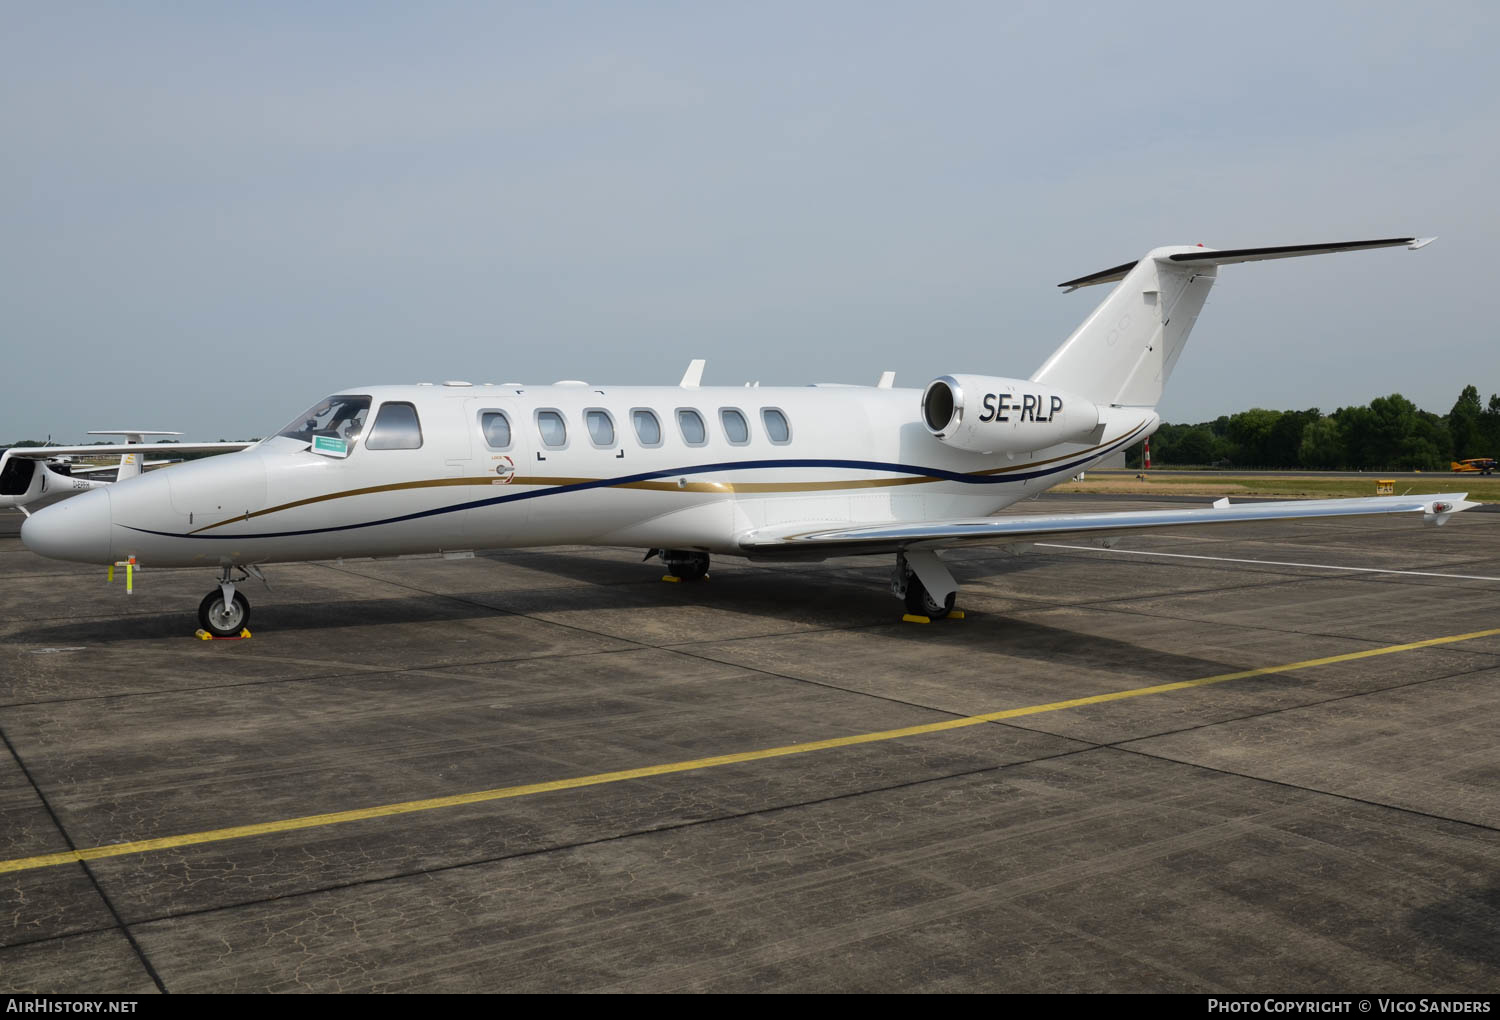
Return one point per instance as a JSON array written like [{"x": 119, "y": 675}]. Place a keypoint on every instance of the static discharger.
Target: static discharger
[{"x": 129, "y": 566}]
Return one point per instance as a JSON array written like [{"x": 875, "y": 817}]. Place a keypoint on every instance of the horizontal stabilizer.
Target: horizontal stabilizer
[
  {"x": 808, "y": 539},
  {"x": 131, "y": 432},
  {"x": 1209, "y": 256},
  {"x": 1114, "y": 275},
  {"x": 1224, "y": 257}
]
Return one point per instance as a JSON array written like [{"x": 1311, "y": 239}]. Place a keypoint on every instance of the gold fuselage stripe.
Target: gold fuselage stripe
[{"x": 657, "y": 486}]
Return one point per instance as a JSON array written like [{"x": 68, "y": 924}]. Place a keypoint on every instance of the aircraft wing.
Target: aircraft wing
[
  {"x": 115, "y": 449},
  {"x": 814, "y": 540},
  {"x": 93, "y": 469}
]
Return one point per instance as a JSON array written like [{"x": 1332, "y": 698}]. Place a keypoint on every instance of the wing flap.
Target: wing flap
[{"x": 1005, "y": 530}]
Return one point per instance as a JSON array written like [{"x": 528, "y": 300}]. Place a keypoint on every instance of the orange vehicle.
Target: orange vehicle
[{"x": 1483, "y": 465}]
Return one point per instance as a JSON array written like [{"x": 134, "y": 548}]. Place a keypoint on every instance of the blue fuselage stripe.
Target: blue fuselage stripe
[{"x": 936, "y": 474}]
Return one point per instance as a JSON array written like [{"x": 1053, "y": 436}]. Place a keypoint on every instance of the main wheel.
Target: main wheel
[
  {"x": 692, "y": 568},
  {"x": 222, "y": 621},
  {"x": 919, "y": 603}
]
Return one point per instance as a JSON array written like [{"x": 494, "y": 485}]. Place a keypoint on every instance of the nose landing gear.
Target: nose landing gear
[
  {"x": 225, "y": 612},
  {"x": 224, "y": 617}
]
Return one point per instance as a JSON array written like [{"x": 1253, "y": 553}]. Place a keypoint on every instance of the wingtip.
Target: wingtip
[{"x": 1420, "y": 242}]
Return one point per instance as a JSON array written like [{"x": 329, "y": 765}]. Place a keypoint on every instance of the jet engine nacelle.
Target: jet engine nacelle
[{"x": 987, "y": 414}]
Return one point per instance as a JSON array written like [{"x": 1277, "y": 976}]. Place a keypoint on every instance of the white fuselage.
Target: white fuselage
[{"x": 849, "y": 455}]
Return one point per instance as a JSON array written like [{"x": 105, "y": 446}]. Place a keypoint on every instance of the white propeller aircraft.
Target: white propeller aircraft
[
  {"x": 39, "y": 475},
  {"x": 687, "y": 471}
]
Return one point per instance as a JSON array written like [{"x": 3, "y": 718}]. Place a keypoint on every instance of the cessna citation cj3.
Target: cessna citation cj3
[{"x": 687, "y": 471}]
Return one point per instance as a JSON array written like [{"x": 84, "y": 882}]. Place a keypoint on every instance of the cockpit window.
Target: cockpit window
[
  {"x": 396, "y": 428},
  {"x": 341, "y": 416}
]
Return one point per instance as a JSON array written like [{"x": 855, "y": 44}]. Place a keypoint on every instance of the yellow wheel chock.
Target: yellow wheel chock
[{"x": 953, "y": 614}]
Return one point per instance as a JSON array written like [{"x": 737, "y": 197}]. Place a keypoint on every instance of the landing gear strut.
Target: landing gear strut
[
  {"x": 907, "y": 584},
  {"x": 682, "y": 564},
  {"x": 225, "y": 612}
]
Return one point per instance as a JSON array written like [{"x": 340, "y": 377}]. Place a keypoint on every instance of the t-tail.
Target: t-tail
[
  {"x": 1124, "y": 352},
  {"x": 131, "y": 464}
]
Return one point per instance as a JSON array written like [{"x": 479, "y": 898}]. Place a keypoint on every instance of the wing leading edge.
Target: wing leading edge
[
  {"x": 114, "y": 449},
  {"x": 897, "y": 537}
]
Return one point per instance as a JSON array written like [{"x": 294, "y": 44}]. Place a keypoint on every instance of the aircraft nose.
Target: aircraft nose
[{"x": 76, "y": 529}]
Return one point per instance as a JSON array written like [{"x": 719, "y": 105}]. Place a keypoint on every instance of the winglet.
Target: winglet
[
  {"x": 1420, "y": 242},
  {"x": 1439, "y": 510},
  {"x": 887, "y": 380},
  {"x": 694, "y": 374}
]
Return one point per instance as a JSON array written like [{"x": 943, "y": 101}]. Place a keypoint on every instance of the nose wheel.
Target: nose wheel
[
  {"x": 224, "y": 618},
  {"x": 224, "y": 612}
]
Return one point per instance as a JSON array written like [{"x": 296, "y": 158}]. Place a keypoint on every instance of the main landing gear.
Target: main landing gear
[
  {"x": 924, "y": 584},
  {"x": 682, "y": 564},
  {"x": 225, "y": 612}
]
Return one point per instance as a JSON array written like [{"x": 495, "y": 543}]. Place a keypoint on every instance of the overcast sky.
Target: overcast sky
[{"x": 213, "y": 214}]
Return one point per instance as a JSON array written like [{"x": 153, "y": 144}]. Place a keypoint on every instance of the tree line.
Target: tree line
[{"x": 1387, "y": 434}]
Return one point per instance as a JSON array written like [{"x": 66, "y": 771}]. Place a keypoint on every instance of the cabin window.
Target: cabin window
[
  {"x": 553, "y": 429},
  {"x": 601, "y": 426},
  {"x": 647, "y": 428},
  {"x": 496, "y": 428},
  {"x": 776, "y": 425},
  {"x": 735, "y": 426},
  {"x": 691, "y": 423},
  {"x": 396, "y": 428}
]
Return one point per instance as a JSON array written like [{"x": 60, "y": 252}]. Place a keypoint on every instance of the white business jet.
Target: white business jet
[
  {"x": 686, "y": 471},
  {"x": 35, "y": 476}
]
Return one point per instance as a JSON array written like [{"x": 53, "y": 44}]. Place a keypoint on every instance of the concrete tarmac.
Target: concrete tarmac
[{"x": 1324, "y": 827}]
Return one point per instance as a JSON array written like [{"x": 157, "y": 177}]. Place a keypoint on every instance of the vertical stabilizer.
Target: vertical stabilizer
[{"x": 1125, "y": 351}]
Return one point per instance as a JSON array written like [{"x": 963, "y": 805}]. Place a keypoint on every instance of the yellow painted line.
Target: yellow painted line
[{"x": 508, "y": 792}]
